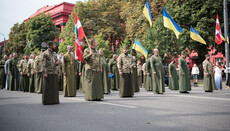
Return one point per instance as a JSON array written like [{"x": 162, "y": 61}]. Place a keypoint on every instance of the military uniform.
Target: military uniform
[
  {"x": 60, "y": 75},
  {"x": 134, "y": 77},
  {"x": 13, "y": 83},
  {"x": 39, "y": 75},
  {"x": 158, "y": 80},
  {"x": 2, "y": 74},
  {"x": 93, "y": 80},
  {"x": 24, "y": 76},
  {"x": 69, "y": 67},
  {"x": 173, "y": 81},
  {"x": 144, "y": 69},
  {"x": 184, "y": 80},
  {"x": 31, "y": 71},
  {"x": 105, "y": 78},
  {"x": 209, "y": 83},
  {"x": 50, "y": 93},
  {"x": 20, "y": 77},
  {"x": 82, "y": 71},
  {"x": 148, "y": 83},
  {"x": 139, "y": 75},
  {"x": 77, "y": 76},
  {"x": 114, "y": 70},
  {"x": 126, "y": 87}
]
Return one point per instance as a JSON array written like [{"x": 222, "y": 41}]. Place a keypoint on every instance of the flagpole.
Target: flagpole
[
  {"x": 213, "y": 53},
  {"x": 225, "y": 32},
  {"x": 88, "y": 43}
]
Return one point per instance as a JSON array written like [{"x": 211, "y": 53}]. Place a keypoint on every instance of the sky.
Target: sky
[{"x": 16, "y": 11}]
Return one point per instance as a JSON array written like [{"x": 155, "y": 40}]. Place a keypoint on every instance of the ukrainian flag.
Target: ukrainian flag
[
  {"x": 147, "y": 13},
  {"x": 138, "y": 47},
  {"x": 28, "y": 43},
  {"x": 228, "y": 38},
  {"x": 171, "y": 24},
  {"x": 196, "y": 36}
]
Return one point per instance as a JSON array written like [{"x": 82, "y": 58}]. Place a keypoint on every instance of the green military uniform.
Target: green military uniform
[
  {"x": 209, "y": 83},
  {"x": 114, "y": 70},
  {"x": 144, "y": 69},
  {"x": 69, "y": 67},
  {"x": 149, "y": 83},
  {"x": 139, "y": 75},
  {"x": 105, "y": 78},
  {"x": 77, "y": 76},
  {"x": 23, "y": 67},
  {"x": 92, "y": 78},
  {"x": 32, "y": 77},
  {"x": 126, "y": 87},
  {"x": 158, "y": 81},
  {"x": 184, "y": 80},
  {"x": 20, "y": 77},
  {"x": 2, "y": 74},
  {"x": 13, "y": 84},
  {"x": 82, "y": 71},
  {"x": 39, "y": 75},
  {"x": 173, "y": 81},
  {"x": 50, "y": 93},
  {"x": 134, "y": 77},
  {"x": 60, "y": 75}
]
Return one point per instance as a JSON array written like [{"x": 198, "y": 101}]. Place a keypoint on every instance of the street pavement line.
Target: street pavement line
[
  {"x": 106, "y": 103},
  {"x": 213, "y": 98}
]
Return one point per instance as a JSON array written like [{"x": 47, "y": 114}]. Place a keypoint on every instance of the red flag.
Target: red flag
[
  {"x": 219, "y": 36},
  {"x": 79, "y": 35}
]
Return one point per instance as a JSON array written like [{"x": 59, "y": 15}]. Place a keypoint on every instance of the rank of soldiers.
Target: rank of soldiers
[{"x": 48, "y": 75}]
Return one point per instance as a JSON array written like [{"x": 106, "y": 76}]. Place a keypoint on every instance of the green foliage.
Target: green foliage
[
  {"x": 17, "y": 39},
  {"x": 103, "y": 44},
  {"x": 40, "y": 29}
]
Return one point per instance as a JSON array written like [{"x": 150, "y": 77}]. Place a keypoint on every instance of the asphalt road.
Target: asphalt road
[{"x": 144, "y": 112}]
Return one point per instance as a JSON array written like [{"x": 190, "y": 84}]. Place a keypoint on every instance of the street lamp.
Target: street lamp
[{"x": 4, "y": 42}]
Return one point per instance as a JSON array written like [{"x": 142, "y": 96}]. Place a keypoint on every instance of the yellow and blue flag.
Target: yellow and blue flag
[
  {"x": 138, "y": 47},
  {"x": 28, "y": 43},
  {"x": 147, "y": 13},
  {"x": 196, "y": 36},
  {"x": 171, "y": 24},
  {"x": 228, "y": 39}
]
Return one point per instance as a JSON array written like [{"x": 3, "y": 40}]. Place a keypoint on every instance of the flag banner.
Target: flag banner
[
  {"x": 28, "y": 43},
  {"x": 171, "y": 24},
  {"x": 79, "y": 35},
  {"x": 228, "y": 39},
  {"x": 138, "y": 47},
  {"x": 218, "y": 38},
  {"x": 196, "y": 36},
  {"x": 147, "y": 13}
]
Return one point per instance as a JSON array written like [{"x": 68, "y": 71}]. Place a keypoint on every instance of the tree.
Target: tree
[
  {"x": 40, "y": 29},
  {"x": 17, "y": 39}
]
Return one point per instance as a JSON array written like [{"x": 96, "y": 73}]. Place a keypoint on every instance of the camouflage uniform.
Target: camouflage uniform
[
  {"x": 39, "y": 75},
  {"x": 124, "y": 63},
  {"x": 50, "y": 93},
  {"x": 31, "y": 71},
  {"x": 93, "y": 77},
  {"x": 209, "y": 83},
  {"x": 24, "y": 76}
]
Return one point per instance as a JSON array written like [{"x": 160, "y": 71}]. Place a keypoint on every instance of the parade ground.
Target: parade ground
[{"x": 144, "y": 112}]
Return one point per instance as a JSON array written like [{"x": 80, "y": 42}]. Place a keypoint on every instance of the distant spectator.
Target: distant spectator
[
  {"x": 227, "y": 71},
  {"x": 195, "y": 73},
  {"x": 218, "y": 76}
]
